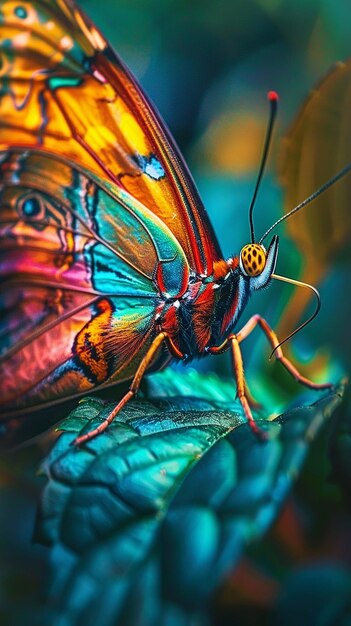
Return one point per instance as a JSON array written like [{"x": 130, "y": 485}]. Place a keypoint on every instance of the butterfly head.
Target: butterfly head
[{"x": 257, "y": 263}]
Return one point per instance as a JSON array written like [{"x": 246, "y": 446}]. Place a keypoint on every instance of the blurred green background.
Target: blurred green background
[{"x": 207, "y": 66}]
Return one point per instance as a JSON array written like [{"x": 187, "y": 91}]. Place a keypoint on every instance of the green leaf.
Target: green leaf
[{"x": 146, "y": 520}]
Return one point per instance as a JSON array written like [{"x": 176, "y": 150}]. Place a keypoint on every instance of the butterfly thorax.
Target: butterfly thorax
[{"x": 208, "y": 310}]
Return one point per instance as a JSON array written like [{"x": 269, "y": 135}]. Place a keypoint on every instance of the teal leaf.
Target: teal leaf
[{"x": 146, "y": 520}]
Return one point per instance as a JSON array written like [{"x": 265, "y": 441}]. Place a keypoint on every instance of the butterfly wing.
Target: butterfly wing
[
  {"x": 316, "y": 148},
  {"x": 78, "y": 262},
  {"x": 64, "y": 89}
]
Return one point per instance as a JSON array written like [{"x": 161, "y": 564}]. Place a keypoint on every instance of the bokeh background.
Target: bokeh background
[{"x": 207, "y": 66}]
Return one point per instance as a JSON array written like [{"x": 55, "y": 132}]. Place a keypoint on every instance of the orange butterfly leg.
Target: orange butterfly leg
[
  {"x": 238, "y": 368},
  {"x": 244, "y": 396},
  {"x": 273, "y": 340},
  {"x": 220, "y": 350},
  {"x": 241, "y": 385},
  {"x": 133, "y": 389}
]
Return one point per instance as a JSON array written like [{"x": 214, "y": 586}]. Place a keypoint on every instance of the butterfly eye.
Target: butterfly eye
[
  {"x": 252, "y": 259},
  {"x": 31, "y": 207}
]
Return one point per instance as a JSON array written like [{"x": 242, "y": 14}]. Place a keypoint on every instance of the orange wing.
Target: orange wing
[{"x": 65, "y": 90}]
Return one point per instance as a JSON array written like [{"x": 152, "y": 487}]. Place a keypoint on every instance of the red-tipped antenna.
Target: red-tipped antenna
[
  {"x": 272, "y": 95},
  {"x": 273, "y": 101}
]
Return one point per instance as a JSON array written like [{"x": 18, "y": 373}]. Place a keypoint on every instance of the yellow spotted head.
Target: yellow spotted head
[{"x": 253, "y": 259}]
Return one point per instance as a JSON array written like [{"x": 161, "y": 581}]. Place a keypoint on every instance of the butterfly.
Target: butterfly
[{"x": 109, "y": 264}]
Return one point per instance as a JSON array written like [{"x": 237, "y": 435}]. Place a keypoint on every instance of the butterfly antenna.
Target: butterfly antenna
[
  {"x": 273, "y": 101},
  {"x": 310, "y": 198},
  {"x": 314, "y": 314}
]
